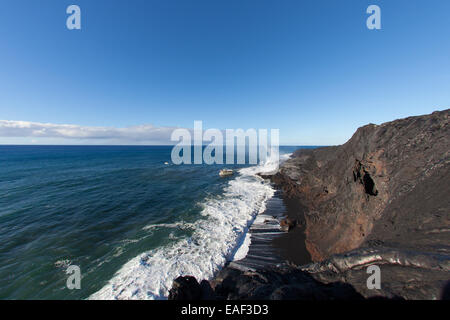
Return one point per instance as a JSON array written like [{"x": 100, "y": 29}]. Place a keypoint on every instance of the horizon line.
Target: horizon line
[{"x": 139, "y": 145}]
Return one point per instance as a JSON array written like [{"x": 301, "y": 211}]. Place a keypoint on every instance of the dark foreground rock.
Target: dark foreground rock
[
  {"x": 404, "y": 275},
  {"x": 380, "y": 199},
  {"x": 188, "y": 288},
  {"x": 282, "y": 283}
]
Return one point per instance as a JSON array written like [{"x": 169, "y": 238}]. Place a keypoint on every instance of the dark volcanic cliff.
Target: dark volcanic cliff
[
  {"x": 388, "y": 185},
  {"x": 380, "y": 199}
]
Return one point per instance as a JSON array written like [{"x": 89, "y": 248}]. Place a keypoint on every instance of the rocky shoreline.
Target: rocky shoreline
[{"x": 379, "y": 199}]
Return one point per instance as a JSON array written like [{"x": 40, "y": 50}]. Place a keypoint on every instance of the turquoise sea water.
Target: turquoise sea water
[{"x": 129, "y": 221}]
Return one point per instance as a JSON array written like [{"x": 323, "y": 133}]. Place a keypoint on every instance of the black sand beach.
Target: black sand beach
[
  {"x": 291, "y": 245},
  {"x": 269, "y": 245}
]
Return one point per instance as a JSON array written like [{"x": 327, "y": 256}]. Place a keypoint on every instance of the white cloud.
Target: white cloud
[{"x": 142, "y": 134}]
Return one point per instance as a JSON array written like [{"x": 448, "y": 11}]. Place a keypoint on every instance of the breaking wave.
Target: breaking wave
[{"x": 219, "y": 236}]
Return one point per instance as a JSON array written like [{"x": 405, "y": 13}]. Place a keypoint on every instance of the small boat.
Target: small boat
[
  {"x": 226, "y": 172},
  {"x": 166, "y": 163}
]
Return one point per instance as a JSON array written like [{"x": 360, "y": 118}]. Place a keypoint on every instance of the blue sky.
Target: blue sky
[{"x": 309, "y": 68}]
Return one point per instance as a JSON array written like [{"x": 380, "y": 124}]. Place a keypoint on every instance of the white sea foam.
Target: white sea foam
[
  {"x": 219, "y": 237},
  {"x": 242, "y": 251},
  {"x": 176, "y": 225}
]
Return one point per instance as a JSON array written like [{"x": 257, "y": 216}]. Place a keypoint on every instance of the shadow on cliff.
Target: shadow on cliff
[{"x": 446, "y": 292}]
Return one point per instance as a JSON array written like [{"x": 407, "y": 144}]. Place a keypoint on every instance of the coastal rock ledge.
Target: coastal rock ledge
[{"x": 382, "y": 198}]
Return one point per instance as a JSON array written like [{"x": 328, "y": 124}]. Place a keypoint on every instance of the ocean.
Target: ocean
[{"x": 130, "y": 222}]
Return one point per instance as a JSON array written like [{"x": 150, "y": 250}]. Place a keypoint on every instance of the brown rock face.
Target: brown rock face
[{"x": 388, "y": 184}]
